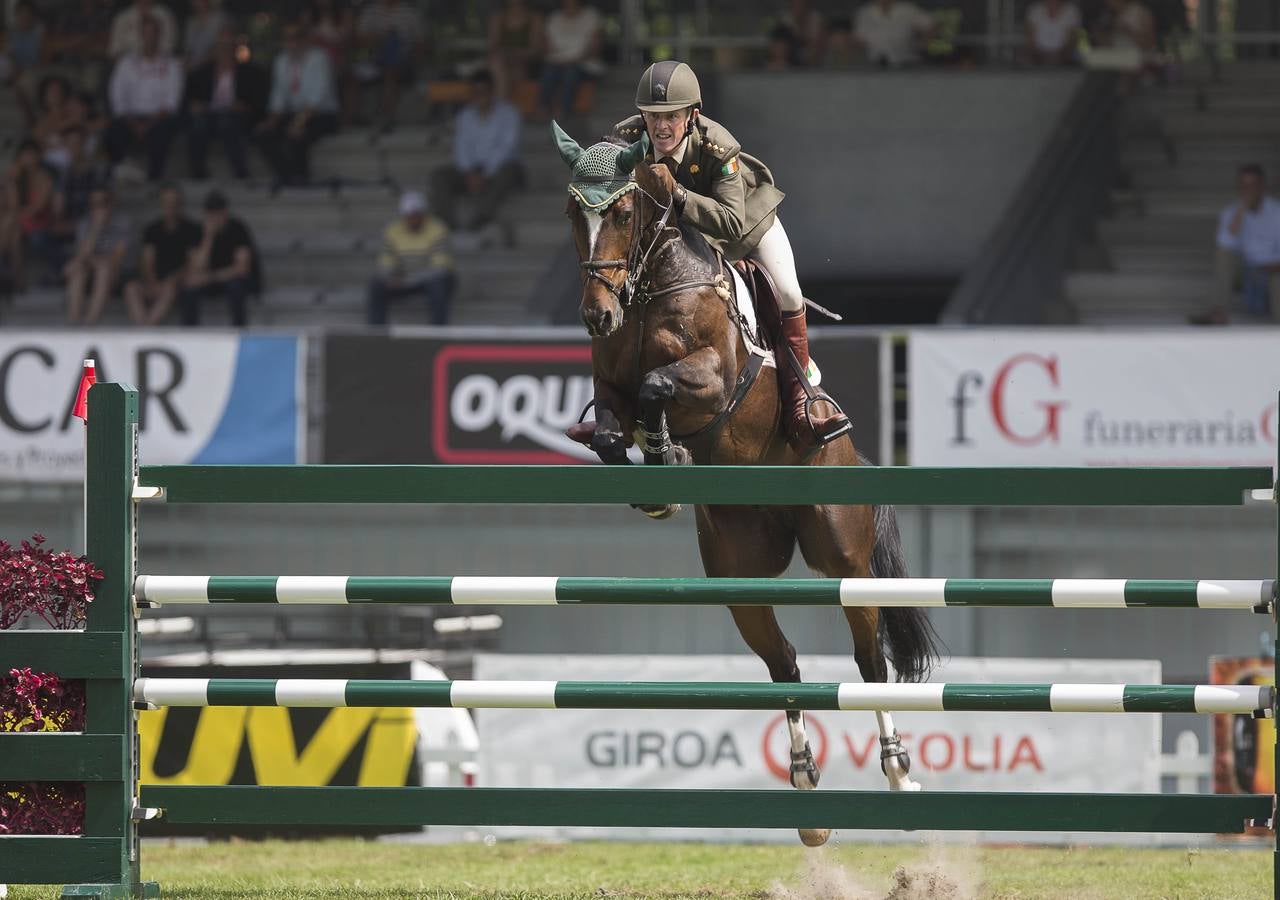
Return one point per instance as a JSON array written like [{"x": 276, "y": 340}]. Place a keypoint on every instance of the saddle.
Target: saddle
[
  {"x": 768, "y": 307},
  {"x": 765, "y": 300}
]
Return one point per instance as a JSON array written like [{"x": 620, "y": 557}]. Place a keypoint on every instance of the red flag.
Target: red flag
[{"x": 89, "y": 377}]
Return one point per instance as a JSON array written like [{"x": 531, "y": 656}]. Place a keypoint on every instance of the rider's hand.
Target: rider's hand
[{"x": 663, "y": 176}]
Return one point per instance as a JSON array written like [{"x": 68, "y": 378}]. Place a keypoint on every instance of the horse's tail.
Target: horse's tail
[{"x": 906, "y": 634}]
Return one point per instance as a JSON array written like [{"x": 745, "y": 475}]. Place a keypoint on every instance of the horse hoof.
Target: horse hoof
[
  {"x": 814, "y": 837},
  {"x": 804, "y": 769}
]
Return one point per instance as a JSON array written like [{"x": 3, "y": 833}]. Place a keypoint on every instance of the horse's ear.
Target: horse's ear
[
  {"x": 628, "y": 158},
  {"x": 569, "y": 149}
]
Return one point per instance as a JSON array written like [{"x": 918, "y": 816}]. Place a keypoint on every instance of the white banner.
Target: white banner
[
  {"x": 723, "y": 749},
  {"x": 208, "y": 397},
  {"x": 1082, "y": 398}
]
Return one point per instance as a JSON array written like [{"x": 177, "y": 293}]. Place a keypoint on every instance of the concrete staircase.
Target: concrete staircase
[
  {"x": 318, "y": 245},
  {"x": 1152, "y": 262}
]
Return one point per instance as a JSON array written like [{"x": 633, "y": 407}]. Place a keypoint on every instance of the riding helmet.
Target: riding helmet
[{"x": 667, "y": 86}]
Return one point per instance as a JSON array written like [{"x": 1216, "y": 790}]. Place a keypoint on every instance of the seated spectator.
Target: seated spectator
[
  {"x": 23, "y": 52},
  {"x": 55, "y": 113},
  {"x": 224, "y": 264},
  {"x": 1052, "y": 29},
  {"x": 146, "y": 92},
  {"x": 1248, "y": 252},
  {"x": 225, "y": 99},
  {"x": 78, "y": 40},
  {"x": 805, "y": 33},
  {"x": 65, "y": 108},
  {"x": 332, "y": 25},
  {"x": 167, "y": 245},
  {"x": 128, "y": 29},
  {"x": 77, "y": 181},
  {"x": 390, "y": 33},
  {"x": 29, "y": 210},
  {"x": 302, "y": 108},
  {"x": 486, "y": 159},
  {"x": 102, "y": 245},
  {"x": 571, "y": 40},
  {"x": 891, "y": 31},
  {"x": 514, "y": 33},
  {"x": 414, "y": 260}
]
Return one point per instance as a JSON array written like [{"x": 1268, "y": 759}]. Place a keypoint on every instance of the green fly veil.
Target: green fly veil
[{"x": 602, "y": 172}]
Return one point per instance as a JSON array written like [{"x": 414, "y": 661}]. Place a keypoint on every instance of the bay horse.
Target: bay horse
[{"x": 673, "y": 369}]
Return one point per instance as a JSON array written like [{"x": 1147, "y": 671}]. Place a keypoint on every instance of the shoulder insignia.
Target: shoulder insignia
[{"x": 730, "y": 167}]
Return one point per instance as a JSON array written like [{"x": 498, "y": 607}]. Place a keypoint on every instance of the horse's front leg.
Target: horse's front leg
[
  {"x": 693, "y": 383},
  {"x": 608, "y": 435},
  {"x": 609, "y": 439}
]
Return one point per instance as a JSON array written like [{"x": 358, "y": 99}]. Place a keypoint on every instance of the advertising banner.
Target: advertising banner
[
  {"x": 749, "y": 749},
  {"x": 418, "y": 399},
  {"x": 265, "y": 745},
  {"x": 1074, "y": 397},
  {"x": 213, "y": 397},
  {"x": 1243, "y": 747}
]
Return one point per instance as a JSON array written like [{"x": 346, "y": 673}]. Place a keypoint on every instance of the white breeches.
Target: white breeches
[{"x": 774, "y": 253}]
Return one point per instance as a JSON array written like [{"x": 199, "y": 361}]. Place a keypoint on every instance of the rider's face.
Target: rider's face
[{"x": 667, "y": 130}]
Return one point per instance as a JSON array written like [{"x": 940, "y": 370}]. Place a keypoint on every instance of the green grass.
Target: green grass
[{"x": 372, "y": 871}]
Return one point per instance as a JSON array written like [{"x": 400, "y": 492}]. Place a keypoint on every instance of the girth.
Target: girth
[{"x": 704, "y": 439}]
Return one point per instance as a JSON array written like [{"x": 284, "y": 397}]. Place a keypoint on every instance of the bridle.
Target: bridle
[{"x": 633, "y": 267}]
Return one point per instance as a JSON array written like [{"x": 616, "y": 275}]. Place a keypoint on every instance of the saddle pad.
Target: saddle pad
[{"x": 747, "y": 309}]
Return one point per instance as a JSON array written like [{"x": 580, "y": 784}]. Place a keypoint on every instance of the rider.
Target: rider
[{"x": 730, "y": 197}]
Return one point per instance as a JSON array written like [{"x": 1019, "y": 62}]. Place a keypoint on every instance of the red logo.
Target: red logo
[
  {"x": 509, "y": 403},
  {"x": 1049, "y": 430}
]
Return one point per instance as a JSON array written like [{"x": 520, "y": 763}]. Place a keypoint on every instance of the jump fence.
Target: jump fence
[{"x": 105, "y": 861}]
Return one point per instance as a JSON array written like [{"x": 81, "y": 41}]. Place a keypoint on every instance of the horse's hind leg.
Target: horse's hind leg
[
  {"x": 839, "y": 542},
  {"x": 895, "y": 762},
  {"x": 738, "y": 543}
]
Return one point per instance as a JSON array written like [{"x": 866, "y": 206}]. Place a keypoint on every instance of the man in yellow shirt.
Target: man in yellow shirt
[{"x": 415, "y": 260}]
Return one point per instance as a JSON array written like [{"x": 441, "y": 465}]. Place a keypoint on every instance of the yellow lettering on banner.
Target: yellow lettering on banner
[
  {"x": 214, "y": 746},
  {"x": 220, "y": 730},
  {"x": 276, "y": 759},
  {"x": 388, "y": 753}
]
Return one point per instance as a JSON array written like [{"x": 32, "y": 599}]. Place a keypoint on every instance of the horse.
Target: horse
[{"x": 672, "y": 363}]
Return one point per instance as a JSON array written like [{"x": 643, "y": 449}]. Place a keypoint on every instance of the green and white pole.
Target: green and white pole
[
  {"x": 1059, "y": 593},
  {"x": 338, "y": 692}
]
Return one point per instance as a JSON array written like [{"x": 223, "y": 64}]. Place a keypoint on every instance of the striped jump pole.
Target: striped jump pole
[
  {"x": 1077, "y": 593},
  {"x": 330, "y": 693}
]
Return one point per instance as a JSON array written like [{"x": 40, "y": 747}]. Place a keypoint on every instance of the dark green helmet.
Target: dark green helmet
[{"x": 668, "y": 86}]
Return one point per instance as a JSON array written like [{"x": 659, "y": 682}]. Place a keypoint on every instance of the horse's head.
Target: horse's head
[{"x": 605, "y": 211}]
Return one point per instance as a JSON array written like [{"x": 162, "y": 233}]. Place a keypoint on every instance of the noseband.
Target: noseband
[{"x": 633, "y": 266}]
